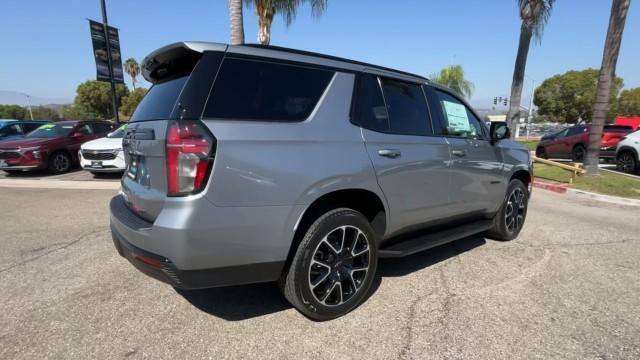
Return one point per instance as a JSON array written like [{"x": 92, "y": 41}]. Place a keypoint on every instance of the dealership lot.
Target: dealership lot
[{"x": 566, "y": 288}]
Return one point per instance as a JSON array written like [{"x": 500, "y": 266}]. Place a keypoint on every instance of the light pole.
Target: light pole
[{"x": 28, "y": 104}]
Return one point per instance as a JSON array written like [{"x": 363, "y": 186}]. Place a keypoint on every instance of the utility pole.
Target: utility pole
[
  {"x": 114, "y": 99},
  {"x": 28, "y": 104}
]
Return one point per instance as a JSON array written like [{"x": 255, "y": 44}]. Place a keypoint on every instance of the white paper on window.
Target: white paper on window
[{"x": 457, "y": 116}]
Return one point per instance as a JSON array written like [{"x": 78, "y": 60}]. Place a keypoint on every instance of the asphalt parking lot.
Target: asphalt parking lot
[
  {"x": 567, "y": 288},
  {"x": 75, "y": 174}
]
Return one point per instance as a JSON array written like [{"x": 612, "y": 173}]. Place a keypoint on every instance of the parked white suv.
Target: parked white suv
[
  {"x": 104, "y": 154},
  {"x": 627, "y": 153}
]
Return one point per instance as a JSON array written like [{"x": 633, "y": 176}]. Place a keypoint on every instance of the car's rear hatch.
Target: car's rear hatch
[
  {"x": 611, "y": 134},
  {"x": 182, "y": 75}
]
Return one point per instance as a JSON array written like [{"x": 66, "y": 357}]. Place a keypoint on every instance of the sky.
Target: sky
[{"x": 46, "y": 47}]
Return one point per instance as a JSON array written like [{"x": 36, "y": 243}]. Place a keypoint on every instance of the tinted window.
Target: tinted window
[
  {"x": 254, "y": 90},
  {"x": 10, "y": 130},
  {"x": 617, "y": 129},
  {"x": 100, "y": 128},
  {"x": 119, "y": 133},
  {"x": 576, "y": 130},
  {"x": 159, "y": 101},
  {"x": 85, "y": 129},
  {"x": 371, "y": 112},
  {"x": 407, "y": 107},
  {"x": 457, "y": 119},
  {"x": 30, "y": 127}
]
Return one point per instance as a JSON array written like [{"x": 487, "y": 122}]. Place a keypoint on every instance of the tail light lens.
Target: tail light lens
[{"x": 190, "y": 153}]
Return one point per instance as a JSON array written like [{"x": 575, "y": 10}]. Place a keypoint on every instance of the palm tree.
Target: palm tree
[
  {"x": 235, "y": 19},
  {"x": 453, "y": 78},
  {"x": 267, "y": 9},
  {"x": 534, "y": 15},
  {"x": 617, "y": 19},
  {"x": 133, "y": 69}
]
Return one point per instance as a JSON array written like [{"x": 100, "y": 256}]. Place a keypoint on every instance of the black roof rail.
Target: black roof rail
[{"x": 331, "y": 57}]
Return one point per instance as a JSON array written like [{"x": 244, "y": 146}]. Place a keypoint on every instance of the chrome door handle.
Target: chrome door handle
[
  {"x": 390, "y": 153},
  {"x": 459, "y": 153}
]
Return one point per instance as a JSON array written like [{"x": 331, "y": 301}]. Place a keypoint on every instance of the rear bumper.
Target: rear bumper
[{"x": 211, "y": 247}]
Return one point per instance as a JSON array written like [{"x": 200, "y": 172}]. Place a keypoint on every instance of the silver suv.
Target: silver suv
[{"x": 252, "y": 164}]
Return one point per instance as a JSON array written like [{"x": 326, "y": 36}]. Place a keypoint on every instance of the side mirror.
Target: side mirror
[
  {"x": 499, "y": 131},
  {"x": 77, "y": 136}
]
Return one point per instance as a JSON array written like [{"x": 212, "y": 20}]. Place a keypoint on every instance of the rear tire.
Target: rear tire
[
  {"x": 626, "y": 162},
  {"x": 578, "y": 153},
  {"x": 59, "y": 162},
  {"x": 333, "y": 267},
  {"x": 509, "y": 220}
]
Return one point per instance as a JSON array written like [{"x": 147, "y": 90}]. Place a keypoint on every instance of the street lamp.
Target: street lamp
[{"x": 28, "y": 104}]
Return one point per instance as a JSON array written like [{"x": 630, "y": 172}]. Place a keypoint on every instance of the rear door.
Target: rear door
[
  {"x": 182, "y": 83},
  {"x": 410, "y": 163},
  {"x": 477, "y": 184}
]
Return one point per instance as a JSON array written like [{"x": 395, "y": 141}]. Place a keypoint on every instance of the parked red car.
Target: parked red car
[
  {"x": 571, "y": 143},
  {"x": 52, "y": 146}
]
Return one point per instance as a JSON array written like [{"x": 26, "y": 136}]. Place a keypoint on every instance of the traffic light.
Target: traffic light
[
  {"x": 505, "y": 101},
  {"x": 495, "y": 101}
]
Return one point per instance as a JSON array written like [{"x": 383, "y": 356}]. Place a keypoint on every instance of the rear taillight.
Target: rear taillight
[{"x": 190, "y": 153}]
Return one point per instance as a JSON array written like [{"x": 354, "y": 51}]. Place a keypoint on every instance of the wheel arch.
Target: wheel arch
[
  {"x": 365, "y": 201},
  {"x": 627, "y": 148}
]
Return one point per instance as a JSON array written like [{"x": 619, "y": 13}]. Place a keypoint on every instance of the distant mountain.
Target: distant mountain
[{"x": 17, "y": 98}]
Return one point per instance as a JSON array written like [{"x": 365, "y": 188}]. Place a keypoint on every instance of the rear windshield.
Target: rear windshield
[
  {"x": 159, "y": 101},
  {"x": 265, "y": 91},
  {"x": 617, "y": 129}
]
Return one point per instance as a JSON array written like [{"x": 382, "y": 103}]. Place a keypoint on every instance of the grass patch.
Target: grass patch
[
  {"x": 607, "y": 183},
  {"x": 530, "y": 144}
]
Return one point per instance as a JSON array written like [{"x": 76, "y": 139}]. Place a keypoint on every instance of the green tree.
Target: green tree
[
  {"x": 629, "y": 103},
  {"x": 132, "y": 100},
  {"x": 569, "y": 97},
  {"x": 132, "y": 68},
  {"x": 606, "y": 82},
  {"x": 236, "y": 22},
  {"x": 93, "y": 100},
  {"x": 45, "y": 113},
  {"x": 453, "y": 78},
  {"x": 15, "y": 112},
  {"x": 534, "y": 15},
  {"x": 267, "y": 9}
]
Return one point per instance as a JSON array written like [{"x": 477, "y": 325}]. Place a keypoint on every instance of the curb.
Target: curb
[
  {"x": 558, "y": 188},
  {"x": 59, "y": 184},
  {"x": 565, "y": 189}
]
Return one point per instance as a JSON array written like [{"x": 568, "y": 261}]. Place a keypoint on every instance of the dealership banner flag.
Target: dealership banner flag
[{"x": 100, "y": 52}]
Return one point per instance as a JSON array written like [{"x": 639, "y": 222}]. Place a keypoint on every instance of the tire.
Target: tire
[
  {"x": 321, "y": 281},
  {"x": 541, "y": 152},
  {"x": 578, "y": 153},
  {"x": 59, "y": 162},
  {"x": 626, "y": 162},
  {"x": 507, "y": 224}
]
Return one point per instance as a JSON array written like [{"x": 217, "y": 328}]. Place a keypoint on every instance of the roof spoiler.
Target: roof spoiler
[{"x": 175, "y": 58}]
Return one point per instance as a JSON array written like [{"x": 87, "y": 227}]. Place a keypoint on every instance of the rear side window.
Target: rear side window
[
  {"x": 407, "y": 107},
  {"x": 159, "y": 101},
  {"x": 371, "y": 112},
  {"x": 263, "y": 91},
  {"x": 576, "y": 130},
  {"x": 30, "y": 127}
]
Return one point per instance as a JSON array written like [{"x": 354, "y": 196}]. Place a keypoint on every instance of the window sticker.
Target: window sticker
[
  {"x": 47, "y": 126},
  {"x": 457, "y": 116}
]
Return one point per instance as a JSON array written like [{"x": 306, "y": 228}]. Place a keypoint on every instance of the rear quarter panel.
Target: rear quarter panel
[{"x": 284, "y": 164}]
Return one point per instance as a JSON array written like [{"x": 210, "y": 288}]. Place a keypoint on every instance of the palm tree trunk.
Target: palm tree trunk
[
  {"x": 235, "y": 18},
  {"x": 513, "y": 116},
  {"x": 265, "y": 19},
  {"x": 617, "y": 20},
  {"x": 133, "y": 82}
]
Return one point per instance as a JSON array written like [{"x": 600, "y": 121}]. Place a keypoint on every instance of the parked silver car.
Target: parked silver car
[{"x": 251, "y": 164}]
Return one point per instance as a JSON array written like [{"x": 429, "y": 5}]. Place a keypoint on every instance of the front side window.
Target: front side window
[
  {"x": 264, "y": 91},
  {"x": 407, "y": 108},
  {"x": 457, "y": 119},
  {"x": 576, "y": 130}
]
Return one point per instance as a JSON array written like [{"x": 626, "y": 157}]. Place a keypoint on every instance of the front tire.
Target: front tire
[
  {"x": 509, "y": 220},
  {"x": 334, "y": 266},
  {"x": 541, "y": 152},
  {"x": 59, "y": 163},
  {"x": 626, "y": 162},
  {"x": 578, "y": 153}
]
